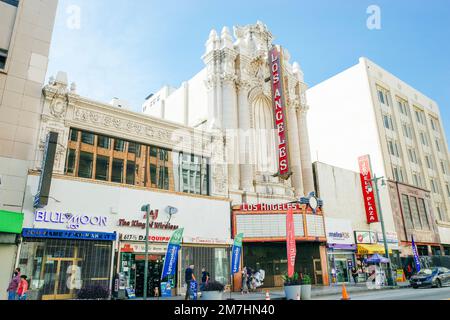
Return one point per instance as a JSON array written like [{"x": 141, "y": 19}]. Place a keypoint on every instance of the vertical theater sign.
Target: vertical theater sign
[
  {"x": 279, "y": 107},
  {"x": 367, "y": 190}
]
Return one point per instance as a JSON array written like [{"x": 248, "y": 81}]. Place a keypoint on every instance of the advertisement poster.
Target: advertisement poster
[
  {"x": 290, "y": 242},
  {"x": 170, "y": 262},
  {"x": 236, "y": 253}
]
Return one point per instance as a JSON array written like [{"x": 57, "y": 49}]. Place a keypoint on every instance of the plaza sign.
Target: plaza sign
[
  {"x": 279, "y": 107},
  {"x": 367, "y": 190}
]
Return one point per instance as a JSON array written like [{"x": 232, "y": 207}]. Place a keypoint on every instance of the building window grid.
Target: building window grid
[
  {"x": 117, "y": 166},
  {"x": 407, "y": 212}
]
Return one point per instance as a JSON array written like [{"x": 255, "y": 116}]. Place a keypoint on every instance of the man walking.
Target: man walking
[
  {"x": 189, "y": 277},
  {"x": 13, "y": 285},
  {"x": 205, "y": 278}
]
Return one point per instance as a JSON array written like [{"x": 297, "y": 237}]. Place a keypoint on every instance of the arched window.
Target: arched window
[{"x": 264, "y": 136}]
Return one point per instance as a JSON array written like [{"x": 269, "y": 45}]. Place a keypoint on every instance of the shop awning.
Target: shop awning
[
  {"x": 371, "y": 249},
  {"x": 11, "y": 222}
]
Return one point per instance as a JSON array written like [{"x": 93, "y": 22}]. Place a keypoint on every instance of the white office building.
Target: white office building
[{"x": 367, "y": 110}]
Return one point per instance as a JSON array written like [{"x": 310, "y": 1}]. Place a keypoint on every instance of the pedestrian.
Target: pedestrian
[
  {"x": 244, "y": 287},
  {"x": 355, "y": 275},
  {"x": 13, "y": 285},
  {"x": 249, "y": 277},
  {"x": 205, "y": 279},
  {"x": 23, "y": 288},
  {"x": 409, "y": 271},
  {"x": 189, "y": 277}
]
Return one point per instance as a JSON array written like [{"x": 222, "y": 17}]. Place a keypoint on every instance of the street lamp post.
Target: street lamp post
[
  {"x": 146, "y": 209},
  {"x": 383, "y": 230}
]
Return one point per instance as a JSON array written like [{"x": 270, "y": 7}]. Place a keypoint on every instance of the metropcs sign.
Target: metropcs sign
[{"x": 276, "y": 75}]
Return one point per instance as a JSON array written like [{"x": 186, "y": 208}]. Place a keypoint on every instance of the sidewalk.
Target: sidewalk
[{"x": 278, "y": 294}]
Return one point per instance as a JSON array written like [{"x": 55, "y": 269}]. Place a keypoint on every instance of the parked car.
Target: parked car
[{"x": 432, "y": 277}]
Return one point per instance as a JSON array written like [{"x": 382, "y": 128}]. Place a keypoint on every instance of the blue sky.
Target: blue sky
[{"x": 129, "y": 49}]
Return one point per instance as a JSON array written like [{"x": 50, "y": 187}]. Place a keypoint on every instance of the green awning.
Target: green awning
[{"x": 11, "y": 222}]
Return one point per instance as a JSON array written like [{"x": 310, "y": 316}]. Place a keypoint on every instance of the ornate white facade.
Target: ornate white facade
[{"x": 231, "y": 96}]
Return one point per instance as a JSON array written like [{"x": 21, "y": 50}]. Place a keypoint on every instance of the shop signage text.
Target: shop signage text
[
  {"x": 367, "y": 237},
  {"x": 367, "y": 190},
  {"x": 72, "y": 221},
  {"x": 137, "y": 237},
  {"x": 275, "y": 59},
  {"x": 338, "y": 236},
  {"x": 66, "y": 234},
  {"x": 272, "y": 207},
  {"x": 152, "y": 225}
]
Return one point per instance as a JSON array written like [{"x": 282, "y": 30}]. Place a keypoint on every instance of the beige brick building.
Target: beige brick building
[{"x": 25, "y": 33}]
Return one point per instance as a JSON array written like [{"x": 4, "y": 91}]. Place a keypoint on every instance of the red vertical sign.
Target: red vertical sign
[
  {"x": 367, "y": 189},
  {"x": 290, "y": 242},
  {"x": 275, "y": 60}
]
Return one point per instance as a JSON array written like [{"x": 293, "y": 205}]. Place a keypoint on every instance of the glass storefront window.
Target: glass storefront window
[
  {"x": 215, "y": 260},
  {"x": 58, "y": 269}
]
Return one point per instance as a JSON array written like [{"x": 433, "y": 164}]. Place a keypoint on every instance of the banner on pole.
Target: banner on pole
[
  {"x": 416, "y": 255},
  {"x": 236, "y": 253},
  {"x": 170, "y": 262},
  {"x": 290, "y": 242}
]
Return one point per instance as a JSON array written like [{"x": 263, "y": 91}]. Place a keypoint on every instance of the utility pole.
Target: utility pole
[
  {"x": 380, "y": 213},
  {"x": 146, "y": 209}
]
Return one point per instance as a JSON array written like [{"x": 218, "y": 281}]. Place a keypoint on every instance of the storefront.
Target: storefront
[
  {"x": 264, "y": 243},
  {"x": 10, "y": 228},
  {"x": 59, "y": 263},
  {"x": 78, "y": 225},
  {"x": 341, "y": 250}
]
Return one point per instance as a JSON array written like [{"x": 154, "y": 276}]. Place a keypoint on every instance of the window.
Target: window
[
  {"x": 193, "y": 174},
  {"x": 117, "y": 171},
  {"x": 423, "y": 214},
  {"x": 163, "y": 155},
  {"x": 438, "y": 145},
  {"x": 74, "y": 135},
  {"x": 387, "y": 120},
  {"x": 85, "y": 165},
  {"x": 424, "y": 139},
  {"x": 412, "y": 156},
  {"x": 429, "y": 161},
  {"x": 393, "y": 148},
  {"x": 434, "y": 186},
  {"x": 415, "y": 213},
  {"x": 383, "y": 96},
  {"x": 103, "y": 142},
  {"x": 119, "y": 145},
  {"x": 439, "y": 212},
  {"x": 447, "y": 186},
  {"x": 153, "y": 151},
  {"x": 420, "y": 117},
  {"x": 153, "y": 174},
  {"x": 407, "y": 131},
  {"x": 398, "y": 173},
  {"x": 8, "y": 12},
  {"x": 402, "y": 106},
  {"x": 87, "y": 138},
  {"x": 70, "y": 168},
  {"x": 444, "y": 167},
  {"x": 135, "y": 148},
  {"x": 163, "y": 178},
  {"x": 102, "y": 168},
  {"x": 407, "y": 212},
  {"x": 131, "y": 172},
  {"x": 415, "y": 179},
  {"x": 422, "y": 250},
  {"x": 433, "y": 124}
]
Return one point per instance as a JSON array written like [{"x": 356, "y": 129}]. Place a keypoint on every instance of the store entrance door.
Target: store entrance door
[
  {"x": 341, "y": 270},
  {"x": 62, "y": 278},
  {"x": 155, "y": 265}
]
